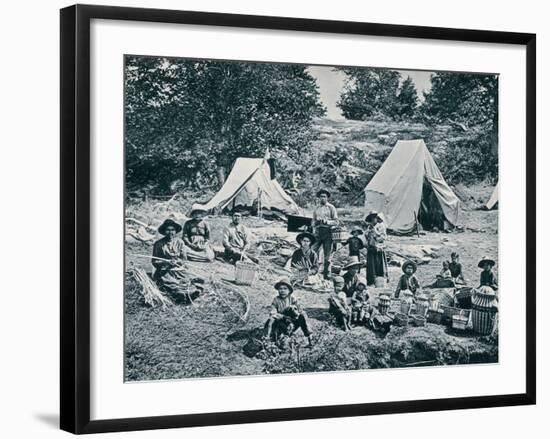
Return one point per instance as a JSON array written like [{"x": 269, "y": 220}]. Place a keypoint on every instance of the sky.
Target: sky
[{"x": 331, "y": 83}]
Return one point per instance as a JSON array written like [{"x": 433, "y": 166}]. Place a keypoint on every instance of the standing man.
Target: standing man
[
  {"x": 324, "y": 218},
  {"x": 236, "y": 240}
]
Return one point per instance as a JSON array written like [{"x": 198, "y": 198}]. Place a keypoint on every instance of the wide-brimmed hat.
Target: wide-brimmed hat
[
  {"x": 167, "y": 223},
  {"x": 357, "y": 229},
  {"x": 486, "y": 260},
  {"x": 371, "y": 215},
  {"x": 323, "y": 191},
  {"x": 197, "y": 208},
  {"x": 353, "y": 262},
  {"x": 303, "y": 235},
  {"x": 284, "y": 281},
  {"x": 407, "y": 264}
]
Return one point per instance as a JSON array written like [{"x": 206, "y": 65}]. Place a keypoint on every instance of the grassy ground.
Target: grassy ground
[{"x": 207, "y": 338}]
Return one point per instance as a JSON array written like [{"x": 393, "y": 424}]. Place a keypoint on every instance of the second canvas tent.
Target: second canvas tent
[{"x": 409, "y": 189}]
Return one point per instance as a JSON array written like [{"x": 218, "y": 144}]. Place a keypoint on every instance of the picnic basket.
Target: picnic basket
[
  {"x": 418, "y": 320},
  {"x": 339, "y": 234},
  {"x": 245, "y": 272}
]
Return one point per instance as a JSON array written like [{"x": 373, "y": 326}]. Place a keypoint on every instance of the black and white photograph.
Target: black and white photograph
[{"x": 285, "y": 218}]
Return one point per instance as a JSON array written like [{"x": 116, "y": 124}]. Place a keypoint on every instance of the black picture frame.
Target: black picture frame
[{"x": 75, "y": 217}]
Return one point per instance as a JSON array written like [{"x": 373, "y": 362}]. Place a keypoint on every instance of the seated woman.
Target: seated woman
[
  {"x": 286, "y": 315},
  {"x": 196, "y": 236},
  {"x": 169, "y": 254},
  {"x": 305, "y": 260}
]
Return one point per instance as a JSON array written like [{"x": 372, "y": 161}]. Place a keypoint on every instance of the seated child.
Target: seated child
[
  {"x": 286, "y": 316},
  {"x": 354, "y": 242},
  {"x": 487, "y": 277},
  {"x": 359, "y": 302},
  {"x": 408, "y": 280},
  {"x": 444, "y": 278},
  {"x": 456, "y": 269},
  {"x": 338, "y": 304}
]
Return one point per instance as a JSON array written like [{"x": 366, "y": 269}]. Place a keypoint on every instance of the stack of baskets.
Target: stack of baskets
[{"x": 339, "y": 234}]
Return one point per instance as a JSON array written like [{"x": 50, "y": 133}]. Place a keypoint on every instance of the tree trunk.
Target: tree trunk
[{"x": 221, "y": 175}]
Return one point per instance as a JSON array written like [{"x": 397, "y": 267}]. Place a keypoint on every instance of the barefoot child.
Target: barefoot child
[
  {"x": 359, "y": 302},
  {"x": 408, "y": 280},
  {"x": 338, "y": 304},
  {"x": 286, "y": 316},
  {"x": 456, "y": 269}
]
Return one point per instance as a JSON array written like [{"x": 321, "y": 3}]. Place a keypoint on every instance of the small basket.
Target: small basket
[
  {"x": 401, "y": 319},
  {"x": 435, "y": 316},
  {"x": 460, "y": 322},
  {"x": 339, "y": 234},
  {"x": 418, "y": 320},
  {"x": 245, "y": 272}
]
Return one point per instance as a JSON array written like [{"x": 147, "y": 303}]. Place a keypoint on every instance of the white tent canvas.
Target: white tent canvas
[
  {"x": 493, "y": 201},
  {"x": 249, "y": 182},
  {"x": 396, "y": 189}
]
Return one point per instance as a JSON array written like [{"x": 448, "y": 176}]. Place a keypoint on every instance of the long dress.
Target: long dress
[
  {"x": 170, "y": 278},
  {"x": 377, "y": 265},
  {"x": 196, "y": 236}
]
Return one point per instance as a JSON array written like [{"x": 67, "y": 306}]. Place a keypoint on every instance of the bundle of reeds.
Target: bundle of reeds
[{"x": 151, "y": 294}]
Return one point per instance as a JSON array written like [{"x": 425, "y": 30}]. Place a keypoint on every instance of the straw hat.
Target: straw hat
[
  {"x": 167, "y": 223},
  {"x": 486, "y": 260},
  {"x": 284, "y": 281},
  {"x": 197, "y": 208},
  {"x": 303, "y": 235},
  {"x": 323, "y": 191},
  {"x": 353, "y": 262},
  {"x": 407, "y": 264}
]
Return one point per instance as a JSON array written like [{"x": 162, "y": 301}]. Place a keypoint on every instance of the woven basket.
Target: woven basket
[
  {"x": 460, "y": 322},
  {"x": 418, "y": 320},
  {"x": 435, "y": 316},
  {"x": 245, "y": 272},
  {"x": 401, "y": 319},
  {"x": 339, "y": 234}
]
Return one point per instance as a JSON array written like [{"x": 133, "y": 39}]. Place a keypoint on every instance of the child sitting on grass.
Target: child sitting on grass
[
  {"x": 359, "y": 302},
  {"x": 408, "y": 280},
  {"x": 286, "y": 316},
  {"x": 338, "y": 304},
  {"x": 456, "y": 269},
  {"x": 487, "y": 277}
]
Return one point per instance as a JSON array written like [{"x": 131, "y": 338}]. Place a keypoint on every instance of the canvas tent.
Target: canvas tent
[
  {"x": 249, "y": 182},
  {"x": 409, "y": 187},
  {"x": 493, "y": 201}
]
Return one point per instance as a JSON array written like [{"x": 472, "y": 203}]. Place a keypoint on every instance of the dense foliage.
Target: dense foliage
[{"x": 188, "y": 119}]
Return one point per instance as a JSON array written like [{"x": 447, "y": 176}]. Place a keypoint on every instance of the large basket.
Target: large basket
[
  {"x": 245, "y": 272},
  {"x": 401, "y": 319},
  {"x": 339, "y": 234}
]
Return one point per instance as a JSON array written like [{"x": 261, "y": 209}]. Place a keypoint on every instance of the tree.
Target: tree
[
  {"x": 407, "y": 99},
  {"x": 369, "y": 91},
  {"x": 186, "y": 119}
]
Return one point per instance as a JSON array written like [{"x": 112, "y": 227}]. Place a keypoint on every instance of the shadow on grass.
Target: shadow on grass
[
  {"x": 319, "y": 314},
  {"x": 246, "y": 334}
]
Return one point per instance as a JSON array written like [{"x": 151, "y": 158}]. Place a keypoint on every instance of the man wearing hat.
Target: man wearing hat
[
  {"x": 487, "y": 277},
  {"x": 286, "y": 315},
  {"x": 305, "y": 258},
  {"x": 324, "y": 218},
  {"x": 236, "y": 240}
]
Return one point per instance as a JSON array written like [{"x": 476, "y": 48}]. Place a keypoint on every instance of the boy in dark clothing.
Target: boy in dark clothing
[
  {"x": 338, "y": 305},
  {"x": 354, "y": 242},
  {"x": 487, "y": 277},
  {"x": 456, "y": 268}
]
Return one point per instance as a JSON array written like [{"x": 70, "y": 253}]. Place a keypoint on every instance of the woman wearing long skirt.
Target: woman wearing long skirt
[
  {"x": 377, "y": 265},
  {"x": 196, "y": 236},
  {"x": 169, "y": 254}
]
